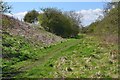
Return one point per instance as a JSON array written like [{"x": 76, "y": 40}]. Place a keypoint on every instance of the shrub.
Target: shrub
[
  {"x": 31, "y": 16},
  {"x": 53, "y": 20}
]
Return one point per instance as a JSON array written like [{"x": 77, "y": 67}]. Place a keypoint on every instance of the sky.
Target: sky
[
  {"x": 89, "y": 10},
  {"x": 26, "y": 6},
  {"x": 60, "y": 0}
]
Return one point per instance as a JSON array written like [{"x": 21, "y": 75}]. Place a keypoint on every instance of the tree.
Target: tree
[
  {"x": 31, "y": 16},
  {"x": 76, "y": 17},
  {"x": 4, "y": 7},
  {"x": 53, "y": 20}
]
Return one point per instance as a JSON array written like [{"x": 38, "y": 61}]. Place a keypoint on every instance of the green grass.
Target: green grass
[
  {"x": 14, "y": 50},
  {"x": 86, "y": 57}
]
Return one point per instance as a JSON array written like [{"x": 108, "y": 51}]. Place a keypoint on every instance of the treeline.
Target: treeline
[{"x": 64, "y": 24}]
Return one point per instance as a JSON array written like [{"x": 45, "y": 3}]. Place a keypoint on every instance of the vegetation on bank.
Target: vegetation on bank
[
  {"x": 107, "y": 28},
  {"x": 108, "y": 24}
]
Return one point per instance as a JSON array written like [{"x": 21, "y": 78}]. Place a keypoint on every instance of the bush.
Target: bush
[
  {"x": 31, "y": 16},
  {"x": 53, "y": 20}
]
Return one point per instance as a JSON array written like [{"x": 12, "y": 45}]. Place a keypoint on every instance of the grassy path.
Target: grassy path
[
  {"x": 51, "y": 53},
  {"x": 47, "y": 54},
  {"x": 72, "y": 58}
]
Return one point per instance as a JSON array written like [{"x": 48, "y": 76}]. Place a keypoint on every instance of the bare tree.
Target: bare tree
[
  {"x": 76, "y": 17},
  {"x": 4, "y": 7}
]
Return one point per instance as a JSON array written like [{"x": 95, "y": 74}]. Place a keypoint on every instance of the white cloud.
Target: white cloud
[
  {"x": 19, "y": 15},
  {"x": 90, "y": 15}
]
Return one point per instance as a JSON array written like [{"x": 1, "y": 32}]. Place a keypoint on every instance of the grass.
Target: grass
[{"x": 86, "y": 57}]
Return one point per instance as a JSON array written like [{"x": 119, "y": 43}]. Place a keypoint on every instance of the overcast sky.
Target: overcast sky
[{"x": 89, "y": 10}]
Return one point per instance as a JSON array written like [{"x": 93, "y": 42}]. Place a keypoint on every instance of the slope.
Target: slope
[
  {"x": 108, "y": 25},
  {"x": 19, "y": 42},
  {"x": 31, "y": 33}
]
